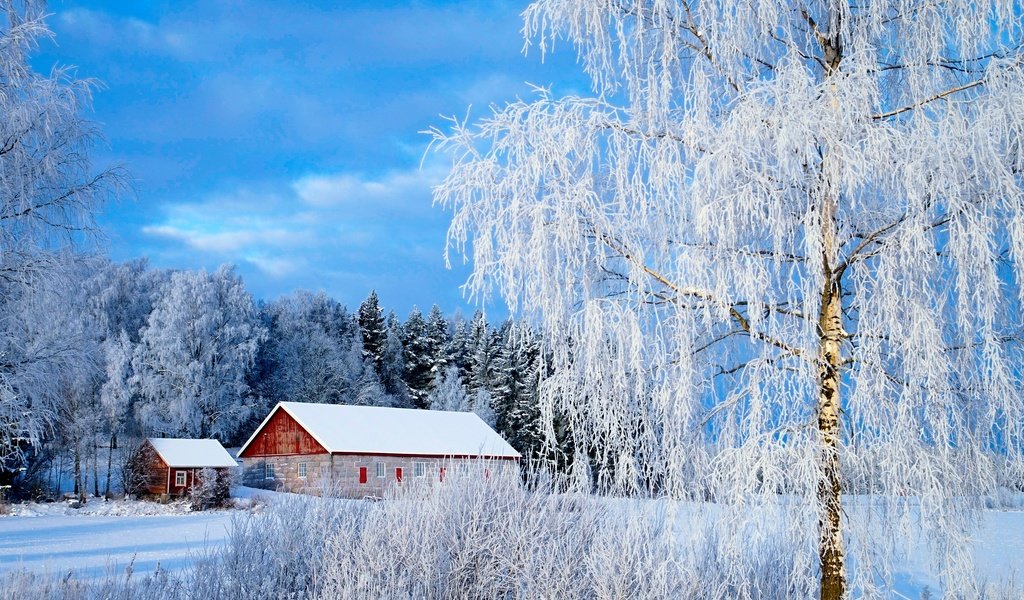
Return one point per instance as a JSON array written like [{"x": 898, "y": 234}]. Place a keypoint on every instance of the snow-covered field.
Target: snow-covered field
[
  {"x": 999, "y": 555},
  {"x": 96, "y": 545},
  {"x": 103, "y": 538}
]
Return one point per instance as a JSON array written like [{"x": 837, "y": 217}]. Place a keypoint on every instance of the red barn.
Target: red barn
[
  {"x": 173, "y": 464},
  {"x": 361, "y": 450}
]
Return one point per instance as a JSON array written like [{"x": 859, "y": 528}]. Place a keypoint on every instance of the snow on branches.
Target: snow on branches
[{"x": 778, "y": 251}]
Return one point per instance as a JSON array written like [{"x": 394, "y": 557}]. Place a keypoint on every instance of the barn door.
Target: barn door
[
  {"x": 362, "y": 474},
  {"x": 398, "y": 474}
]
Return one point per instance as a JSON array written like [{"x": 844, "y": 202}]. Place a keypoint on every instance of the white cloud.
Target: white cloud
[
  {"x": 398, "y": 188},
  {"x": 199, "y": 237},
  {"x": 336, "y": 219},
  {"x": 275, "y": 266},
  {"x": 103, "y": 29}
]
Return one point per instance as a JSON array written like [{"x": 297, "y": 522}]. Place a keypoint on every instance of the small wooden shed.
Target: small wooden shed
[{"x": 174, "y": 463}]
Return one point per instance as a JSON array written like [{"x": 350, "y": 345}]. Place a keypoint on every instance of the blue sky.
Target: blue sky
[{"x": 283, "y": 136}]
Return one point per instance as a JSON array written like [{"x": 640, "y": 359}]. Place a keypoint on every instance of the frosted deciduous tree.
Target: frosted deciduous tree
[
  {"x": 120, "y": 296},
  {"x": 449, "y": 393},
  {"x": 305, "y": 357},
  {"x": 116, "y": 392},
  {"x": 482, "y": 405},
  {"x": 779, "y": 248},
  {"x": 190, "y": 365},
  {"x": 49, "y": 193}
]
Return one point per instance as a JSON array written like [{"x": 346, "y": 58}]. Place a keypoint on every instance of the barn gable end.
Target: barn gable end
[
  {"x": 155, "y": 469},
  {"x": 281, "y": 435}
]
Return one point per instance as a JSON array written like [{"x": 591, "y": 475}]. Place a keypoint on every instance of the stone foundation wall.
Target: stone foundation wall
[{"x": 340, "y": 473}]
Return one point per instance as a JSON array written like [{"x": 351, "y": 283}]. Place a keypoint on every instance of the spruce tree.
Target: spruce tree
[
  {"x": 438, "y": 340},
  {"x": 393, "y": 364},
  {"x": 484, "y": 348},
  {"x": 418, "y": 359},
  {"x": 459, "y": 350},
  {"x": 371, "y": 325}
]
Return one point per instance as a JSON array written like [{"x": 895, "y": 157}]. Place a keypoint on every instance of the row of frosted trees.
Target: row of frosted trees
[{"x": 109, "y": 352}]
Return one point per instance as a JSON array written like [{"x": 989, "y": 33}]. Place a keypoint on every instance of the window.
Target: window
[
  {"x": 179, "y": 478},
  {"x": 362, "y": 474},
  {"x": 302, "y": 470},
  {"x": 398, "y": 474},
  {"x": 270, "y": 470},
  {"x": 419, "y": 469},
  {"x": 381, "y": 470}
]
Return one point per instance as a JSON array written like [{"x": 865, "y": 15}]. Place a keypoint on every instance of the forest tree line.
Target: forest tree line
[{"x": 107, "y": 353}]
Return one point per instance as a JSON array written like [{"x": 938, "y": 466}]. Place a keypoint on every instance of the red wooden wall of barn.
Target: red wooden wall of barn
[
  {"x": 282, "y": 435},
  {"x": 156, "y": 470}
]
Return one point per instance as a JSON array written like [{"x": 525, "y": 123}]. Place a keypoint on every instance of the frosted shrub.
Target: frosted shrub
[
  {"x": 211, "y": 489},
  {"x": 476, "y": 537}
]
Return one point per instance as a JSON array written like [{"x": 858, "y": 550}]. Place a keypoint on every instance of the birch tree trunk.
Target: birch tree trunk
[
  {"x": 110, "y": 461},
  {"x": 831, "y": 551},
  {"x": 780, "y": 243},
  {"x": 79, "y": 490},
  {"x": 95, "y": 466}
]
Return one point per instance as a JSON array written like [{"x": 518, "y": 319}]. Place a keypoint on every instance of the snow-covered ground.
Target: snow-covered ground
[
  {"x": 103, "y": 537},
  {"x": 94, "y": 545},
  {"x": 999, "y": 556}
]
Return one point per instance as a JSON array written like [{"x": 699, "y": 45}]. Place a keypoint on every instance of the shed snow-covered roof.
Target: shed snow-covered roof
[
  {"x": 348, "y": 429},
  {"x": 178, "y": 452}
]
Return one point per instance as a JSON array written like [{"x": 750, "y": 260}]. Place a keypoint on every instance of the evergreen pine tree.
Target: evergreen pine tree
[
  {"x": 371, "y": 324},
  {"x": 438, "y": 341},
  {"x": 484, "y": 348},
  {"x": 393, "y": 364},
  {"x": 459, "y": 351},
  {"x": 418, "y": 359},
  {"x": 516, "y": 379}
]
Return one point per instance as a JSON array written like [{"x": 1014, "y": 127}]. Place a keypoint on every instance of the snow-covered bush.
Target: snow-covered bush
[
  {"x": 473, "y": 537},
  {"x": 211, "y": 489},
  {"x": 133, "y": 468}
]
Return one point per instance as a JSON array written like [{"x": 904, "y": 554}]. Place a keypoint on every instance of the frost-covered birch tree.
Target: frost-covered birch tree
[
  {"x": 448, "y": 392},
  {"x": 116, "y": 393},
  {"x": 49, "y": 193},
  {"x": 191, "y": 362},
  {"x": 777, "y": 251}
]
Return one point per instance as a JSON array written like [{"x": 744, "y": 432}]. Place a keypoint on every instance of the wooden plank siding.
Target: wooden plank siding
[
  {"x": 283, "y": 436},
  {"x": 161, "y": 478},
  {"x": 156, "y": 471}
]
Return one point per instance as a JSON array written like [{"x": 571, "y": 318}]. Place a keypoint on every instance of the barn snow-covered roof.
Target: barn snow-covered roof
[
  {"x": 341, "y": 428},
  {"x": 178, "y": 452}
]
